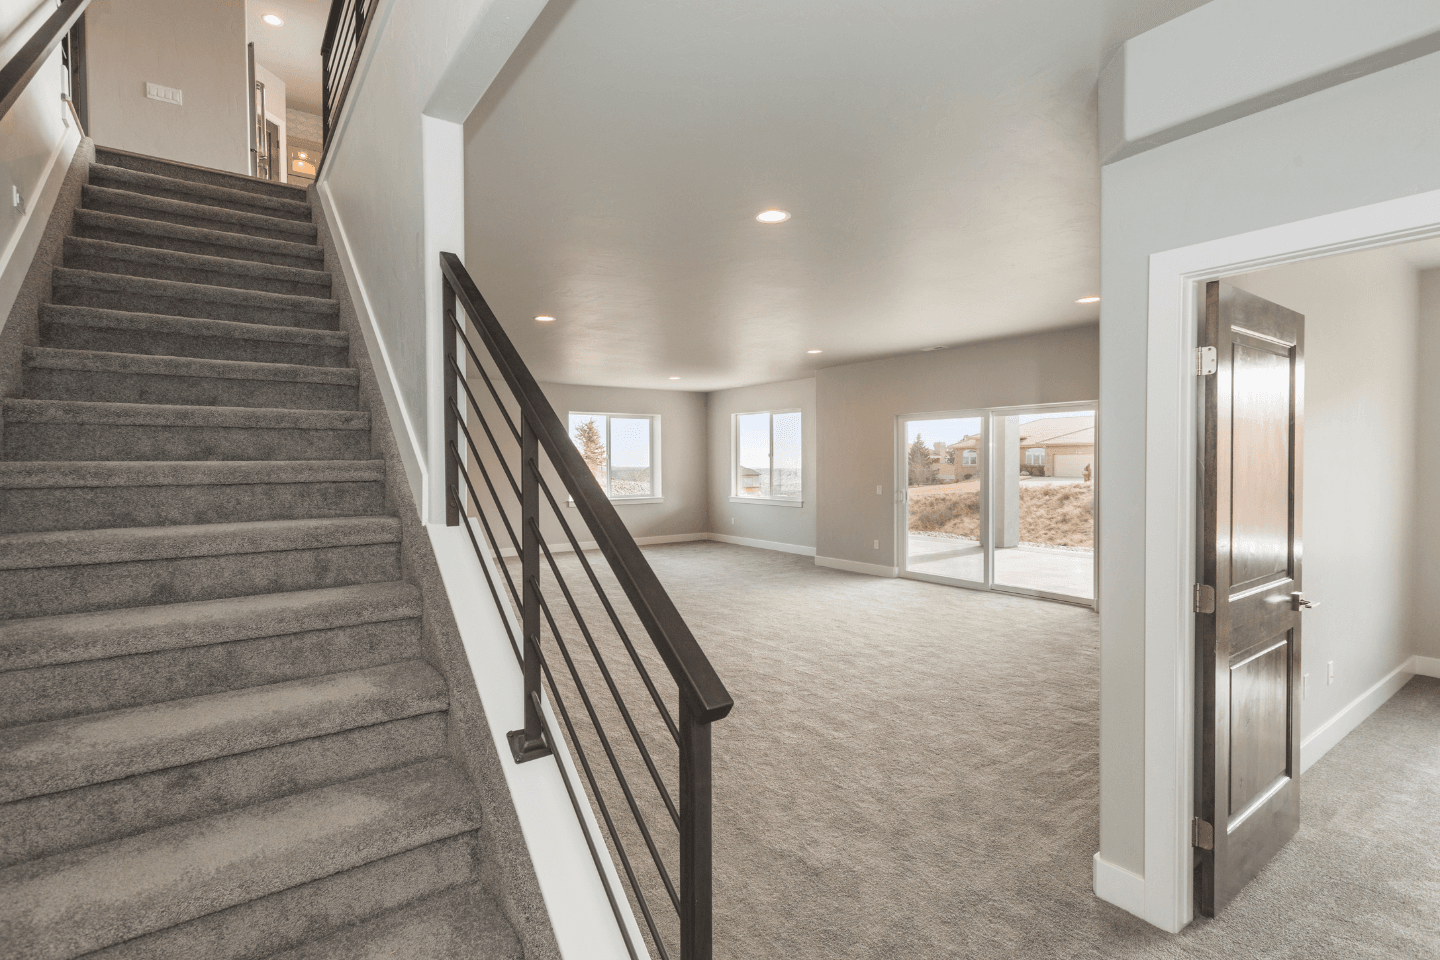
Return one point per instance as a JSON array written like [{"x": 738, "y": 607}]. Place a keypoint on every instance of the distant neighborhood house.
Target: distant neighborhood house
[{"x": 1053, "y": 447}]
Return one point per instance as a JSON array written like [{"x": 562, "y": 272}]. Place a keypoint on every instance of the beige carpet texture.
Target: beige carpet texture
[{"x": 910, "y": 771}]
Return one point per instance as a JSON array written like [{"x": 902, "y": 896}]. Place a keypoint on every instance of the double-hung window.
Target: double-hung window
[
  {"x": 970, "y": 457},
  {"x": 767, "y": 455},
  {"x": 1035, "y": 457},
  {"x": 622, "y": 451}
]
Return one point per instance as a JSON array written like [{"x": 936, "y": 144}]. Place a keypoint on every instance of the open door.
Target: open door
[{"x": 1248, "y": 601}]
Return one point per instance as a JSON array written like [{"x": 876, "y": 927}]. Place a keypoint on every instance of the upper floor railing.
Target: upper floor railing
[
  {"x": 345, "y": 33},
  {"x": 492, "y": 448},
  {"x": 16, "y": 75}
]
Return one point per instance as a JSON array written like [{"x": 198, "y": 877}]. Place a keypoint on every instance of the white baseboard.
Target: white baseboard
[
  {"x": 1332, "y": 731},
  {"x": 794, "y": 548},
  {"x": 854, "y": 566},
  {"x": 1425, "y": 666},
  {"x": 1119, "y": 886},
  {"x": 565, "y": 547}
]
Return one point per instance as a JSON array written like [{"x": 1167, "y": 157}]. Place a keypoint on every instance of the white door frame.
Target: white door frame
[{"x": 1170, "y": 504}]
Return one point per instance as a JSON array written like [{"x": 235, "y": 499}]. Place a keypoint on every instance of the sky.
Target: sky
[{"x": 629, "y": 438}]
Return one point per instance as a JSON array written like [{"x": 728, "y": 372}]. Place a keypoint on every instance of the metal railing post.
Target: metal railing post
[
  {"x": 452, "y": 406},
  {"x": 697, "y": 908},
  {"x": 529, "y": 743}
]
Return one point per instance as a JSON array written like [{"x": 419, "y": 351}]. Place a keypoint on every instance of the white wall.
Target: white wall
[
  {"x": 770, "y": 523},
  {"x": 1361, "y": 437},
  {"x": 197, "y": 47},
  {"x": 1372, "y": 139},
  {"x": 1426, "y": 608}
]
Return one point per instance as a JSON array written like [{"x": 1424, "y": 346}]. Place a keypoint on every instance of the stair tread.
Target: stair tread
[
  {"x": 56, "y": 358},
  {"x": 121, "y": 177},
  {"x": 147, "y": 286},
  {"x": 70, "y": 903},
  {"x": 462, "y": 923},
  {"x": 194, "y": 173},
  {"x": 65, "y": 548},
  {"x": 45, "y": 474},
  {"x": 44, "y": 758},
  {"x": 91, "y": 194},
  {"x": 21, "y": 410},
  {"x": 193, "y": 326},
  {"x": 100, "y": 634},
  {"x": 192, "y": 261},
  {"x": 119, "y": 222}
]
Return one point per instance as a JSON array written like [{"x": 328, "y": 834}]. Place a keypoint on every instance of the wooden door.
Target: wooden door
[{"x": 1248, "y": 634}]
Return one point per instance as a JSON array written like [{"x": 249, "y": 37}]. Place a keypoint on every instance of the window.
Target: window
[
  {"x": 970, "y": 458},
  {"x": 1035, "y": 457},
  {"x": 622, "y": 450},
  {"x": 767, "y": 456}
]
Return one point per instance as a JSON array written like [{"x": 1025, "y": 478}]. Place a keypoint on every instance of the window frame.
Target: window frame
[
  {"x": 656, "y": 494},
  {"x": 735, "y": 496}
]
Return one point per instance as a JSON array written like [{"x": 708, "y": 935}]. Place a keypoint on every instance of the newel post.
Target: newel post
[
  {"x": 697, "y": 906},
  {"x": 452, "y": 415},
  {"x": 529, "y": 743}
]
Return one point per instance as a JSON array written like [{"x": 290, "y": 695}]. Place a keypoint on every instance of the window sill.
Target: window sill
[
  {"x": 620, "y": 501},
  {"x": 769, "y": 502}
]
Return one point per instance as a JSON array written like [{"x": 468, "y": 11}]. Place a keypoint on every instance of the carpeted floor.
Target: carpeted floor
[{"x": 910, "y": 771}]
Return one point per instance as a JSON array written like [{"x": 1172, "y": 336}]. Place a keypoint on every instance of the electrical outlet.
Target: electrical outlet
[
  {"x": 1330, "y": 669},
  {"x": 18, "y": 199},
  {"x": 1304, "y": 686},
  {"x": 877, "y": 489},
  {"x": 877, "y": 544},
  {"x": 154, "y": 91},
  {"x": 732, "y": 521}
]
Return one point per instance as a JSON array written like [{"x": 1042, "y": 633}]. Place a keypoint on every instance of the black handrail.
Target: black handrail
[
  {"x": 702, "y": 697},
  {"x": 346, "y": 30},
  {"x": 16, "y": 75}
]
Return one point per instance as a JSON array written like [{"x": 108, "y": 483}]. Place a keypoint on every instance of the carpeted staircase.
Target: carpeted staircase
[{"x": 217, "y": 737}]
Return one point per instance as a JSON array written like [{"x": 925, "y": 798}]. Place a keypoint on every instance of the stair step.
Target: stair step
[
  {"x": 87, "y": 375},
  {"x": 77, "y": 571},
  {"x": 110, "y": 291},
  {"x": 76, "y": 495},
  {"x": 79, "y": 430},
  {"x": 159, "y": 235},
  {"x": 132, "y": 260},
  {"x": 148, "y": 334},
  {"x": 43, "y": 758},
  {"x": 191, "y": 191},
  {"x": 462, "y": 923},
  {"x": 55, "y": 822},
  {"x": 185, "y": 171},
  {"x": 129, "y": 204},
  {"x": 304, "y": 913},
  {"x": 60, "y": 907}
]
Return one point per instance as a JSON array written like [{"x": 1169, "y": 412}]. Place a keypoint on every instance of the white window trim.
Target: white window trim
[
  {"x": 735, "y": 496},
  {"x": 656, "y": 494}
]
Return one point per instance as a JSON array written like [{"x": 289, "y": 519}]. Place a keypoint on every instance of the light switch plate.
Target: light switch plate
[{"x": 164, "y": 94}]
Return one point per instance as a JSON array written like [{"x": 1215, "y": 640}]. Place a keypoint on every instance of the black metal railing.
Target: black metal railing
[
  {"x": 483, "y": 440},
  {"x": 16, "y": 75},
  {"x": 345, "y": 33}
]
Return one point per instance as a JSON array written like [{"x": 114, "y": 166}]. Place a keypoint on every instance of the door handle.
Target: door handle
[{"x": 1298, "y": 602}]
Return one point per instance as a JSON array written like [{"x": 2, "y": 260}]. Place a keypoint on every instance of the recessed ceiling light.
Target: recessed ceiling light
[
  {"x": 674, "y": 378},
  {"x": 273, "y": 20},
  {"x": 772, "y": 216},
  {"x": 303, "y": 157},
  {"x": 812, "y": 351},
  {"x": 1088, "y": 300},
  {"x": 546, "y": 319}
]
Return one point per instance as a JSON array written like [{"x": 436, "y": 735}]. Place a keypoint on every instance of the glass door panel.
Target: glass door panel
[{"x": 943, "y": 469}]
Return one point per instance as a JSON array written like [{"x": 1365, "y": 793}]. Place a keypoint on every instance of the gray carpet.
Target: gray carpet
[{"x": 910, "y": 771}]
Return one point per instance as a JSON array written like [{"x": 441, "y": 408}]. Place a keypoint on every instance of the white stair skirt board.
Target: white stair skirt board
[
  {"x": 1357, "y": 711},
  {"x": 1425, "y": 666},
  {"x": 854, "y": 566},
  {"x": 1119, "y": 886},
  {"x": 15, "y": 259},
  {"x": 794, "y": 548}
]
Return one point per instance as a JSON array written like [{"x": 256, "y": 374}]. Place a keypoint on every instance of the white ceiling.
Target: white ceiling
[
  {"x": 938, "y": 156},
  {"x": 291, "y": 51}
]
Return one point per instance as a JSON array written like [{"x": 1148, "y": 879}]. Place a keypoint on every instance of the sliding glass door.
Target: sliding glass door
[{"x": 1001, "y": 499}]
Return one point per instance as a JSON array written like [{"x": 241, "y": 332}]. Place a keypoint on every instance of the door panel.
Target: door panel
[{"x": 1249, "y": 649}]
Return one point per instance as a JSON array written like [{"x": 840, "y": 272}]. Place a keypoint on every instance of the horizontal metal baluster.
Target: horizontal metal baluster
[
  {"x": 610, "y": 682},
  {"x": 489, "y": 534},
  {"x": 614, "y": 617},
  {"x": 494, "y": 444},
  {"x": 610, "y": 753},
  {"x": 575, "y": 744},
  {"x": 489, "y": 580},
  {"x": 494, "y": 496},
  {"x": 486, "y": 377}
]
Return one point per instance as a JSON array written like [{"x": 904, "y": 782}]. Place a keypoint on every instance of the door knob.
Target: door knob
[{"x": 1298, "y": 602}]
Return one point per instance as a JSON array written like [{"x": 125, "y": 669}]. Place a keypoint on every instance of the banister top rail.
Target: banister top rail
[
  {"x": 700, "y": 686},
  {"x": 16, "y": 75}
]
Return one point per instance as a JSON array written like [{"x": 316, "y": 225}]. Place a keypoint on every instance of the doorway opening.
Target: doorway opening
[{"x": 1000, "y": 499}]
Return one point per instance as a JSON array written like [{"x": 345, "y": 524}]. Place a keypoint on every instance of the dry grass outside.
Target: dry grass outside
[{"x": 1055, "y": 514}]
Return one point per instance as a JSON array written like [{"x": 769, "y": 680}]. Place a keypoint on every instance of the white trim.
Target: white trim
[
  {"x": 1425, "y": 666},
  {"x": 775, "y": 545},
  {"x": 412, "y": 455},
  {"x": 855, "y": 566},
  {"x": 510, "y": 552},
  {"x": 768, "y": 501},
  {"x": 25, "y": 241},
  {"x": 1353, "y": 714},
  {"x": 621, "y": 501},
  {"x": 1117, "y": 885},
  {"x": 1170, "y": 504}
]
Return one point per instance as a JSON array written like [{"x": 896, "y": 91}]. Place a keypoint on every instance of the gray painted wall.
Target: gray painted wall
[
  {"x": 762, "y": 521},
  {"x": 1426, "y": 609},
  {"x": 857, "y": 405},
  {"x": 1372, "y": 139},
  {"x": 197, "y": 47},
  {"x": 1361, "y": 319}
]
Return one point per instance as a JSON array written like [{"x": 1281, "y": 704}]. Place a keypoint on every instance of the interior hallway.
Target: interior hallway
[{"x": 910, "y": 771}]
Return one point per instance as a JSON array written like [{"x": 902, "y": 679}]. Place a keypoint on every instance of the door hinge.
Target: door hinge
[
  {"x": 1202, "y": 834},
  {"x": 1204, "y": 598},
  {"x": 1206, "y": 361}
]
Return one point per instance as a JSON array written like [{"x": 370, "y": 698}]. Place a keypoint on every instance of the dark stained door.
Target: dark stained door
[{"x": 1248, "y": 721}]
